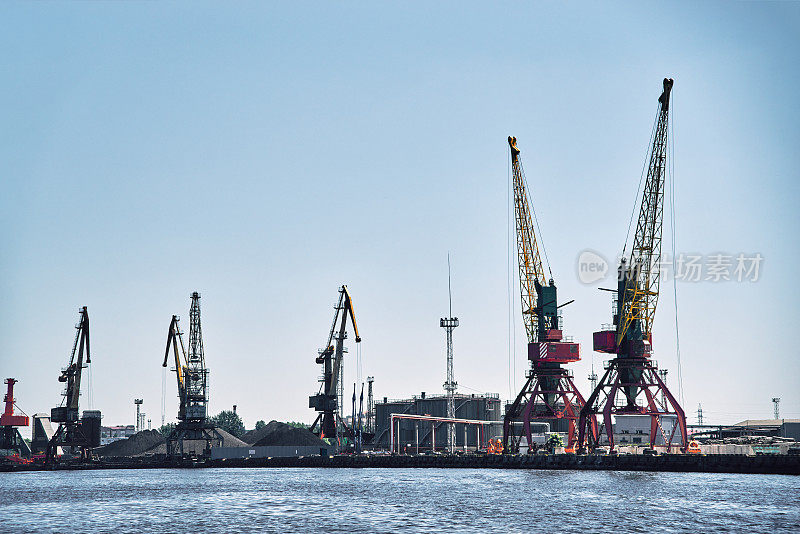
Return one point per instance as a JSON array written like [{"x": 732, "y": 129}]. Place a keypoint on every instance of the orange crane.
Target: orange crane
[{"x": 549, "y": 393}]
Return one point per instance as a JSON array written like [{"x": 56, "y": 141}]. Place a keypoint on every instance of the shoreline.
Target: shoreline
[{"x": 682, "y": 463}]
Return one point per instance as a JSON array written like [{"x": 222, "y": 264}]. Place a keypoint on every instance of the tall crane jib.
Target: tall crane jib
[
  {"x": 632, "y": 373},
  {"x": 549, "y": 394},
  {"x": 328, "y": 401},
  {"x": 175, "y": 342},
  {"x": 75, "y": 435}
]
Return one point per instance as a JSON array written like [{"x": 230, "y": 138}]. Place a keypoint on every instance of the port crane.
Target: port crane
[
  {"x": 192, "y": 378},
  {"x": 73, "y": 432},
  {"x": 631, "y": 384},
  {"x": 328, "y": 401},
  {"x": 10, "y": 438},
  {"x": 549, "y": 393}
]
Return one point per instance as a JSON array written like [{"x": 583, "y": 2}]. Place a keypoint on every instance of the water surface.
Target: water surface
[{"x": 392, "y": 500}]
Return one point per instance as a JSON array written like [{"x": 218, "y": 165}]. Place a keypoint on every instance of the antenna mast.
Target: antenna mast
[{"x": 450, "y": 385}]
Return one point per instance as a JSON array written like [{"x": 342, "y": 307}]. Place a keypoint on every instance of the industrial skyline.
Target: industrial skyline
[{"x": 148, "y": 153}]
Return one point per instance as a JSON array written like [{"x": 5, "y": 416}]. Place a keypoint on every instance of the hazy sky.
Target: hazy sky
[{"x": 265, "y": 153}]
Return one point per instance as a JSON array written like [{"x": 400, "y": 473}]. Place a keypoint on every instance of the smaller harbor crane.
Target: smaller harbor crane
[
  {"x": 328, "y": 401},
  {"x": 74, "y": 435},
  {"x": 10, "y": 438},
  {"x": 192, "y": 378}
]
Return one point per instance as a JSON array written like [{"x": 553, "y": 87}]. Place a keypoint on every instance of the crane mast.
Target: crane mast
[
  {"x": 549, "y": 393},
  {"x": 632, "y": 374}
]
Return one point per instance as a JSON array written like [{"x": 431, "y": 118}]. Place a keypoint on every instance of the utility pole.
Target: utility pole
[
  {"x": 777, "y": 402},
  {"x": 450, "y": 385},
  {"x": 138, "y": 403},
  {"x": 370, "y": 405}
]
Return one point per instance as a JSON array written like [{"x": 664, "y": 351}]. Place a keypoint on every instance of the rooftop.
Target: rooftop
[{"x": 766, "y": 422}]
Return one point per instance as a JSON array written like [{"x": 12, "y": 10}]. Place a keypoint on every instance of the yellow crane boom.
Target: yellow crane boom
[{"x": 529, "y": 260}]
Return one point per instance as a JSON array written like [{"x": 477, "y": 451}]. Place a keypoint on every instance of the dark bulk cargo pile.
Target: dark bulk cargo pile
[
  {"x": 136, "y": 444},
  {"x": 198, "y": 446},
  {"x": 281, "y": 434}
]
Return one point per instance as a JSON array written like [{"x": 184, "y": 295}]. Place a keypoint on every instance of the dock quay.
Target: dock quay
[{"x": 717, "y": 463}]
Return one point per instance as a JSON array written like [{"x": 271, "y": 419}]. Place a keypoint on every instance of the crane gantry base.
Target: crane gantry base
[
  {"x": 632, "y": 377},
  {"x": 187, "y": 431},
  {"x": 549, "y": 393}
]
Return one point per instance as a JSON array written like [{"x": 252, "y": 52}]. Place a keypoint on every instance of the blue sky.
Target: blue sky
[{"x": 264, "y": 154}]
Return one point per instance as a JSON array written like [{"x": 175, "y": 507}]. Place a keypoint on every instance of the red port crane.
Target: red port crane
[
  {"x": 631, "y": 384},
  {"x": 549, "y": 394},
  {"x": 10, "y": 438}
]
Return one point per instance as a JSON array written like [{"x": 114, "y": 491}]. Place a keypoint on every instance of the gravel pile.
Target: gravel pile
[
  {"x": 136, "y": 444},
  {"x": 197, "y": 446},
  {"x": 276, "y": 433}
]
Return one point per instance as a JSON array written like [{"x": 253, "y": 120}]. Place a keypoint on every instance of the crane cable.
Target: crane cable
[
  {"x": 641, "y": 180},
  {"x": 535, "y": 219},
  {"x": 163, "y": 394},
  {"x": 512, "y": 339},
  {"x": 674, "y": 272},
  {"x": 91, "y": 389}
]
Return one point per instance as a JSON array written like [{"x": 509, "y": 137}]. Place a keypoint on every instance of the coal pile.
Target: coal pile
[
  {"x": 281, "y": 434},
  {"x": 136, "y": 444},
  {"x": 196, "y": 446}
]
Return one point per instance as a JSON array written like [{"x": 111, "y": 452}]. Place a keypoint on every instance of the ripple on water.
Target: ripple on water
[{"x": 390, "y": 500}]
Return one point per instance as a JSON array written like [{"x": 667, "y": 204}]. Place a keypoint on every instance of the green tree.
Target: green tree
[
  {"x": 260, "y": 424},
  {"x": 229, "y": 421},
  {"x": 166, "y": 429},
  {"x": 297, "y": 425}
]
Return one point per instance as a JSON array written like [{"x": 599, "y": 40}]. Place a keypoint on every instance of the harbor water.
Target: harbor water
[{"x": 395, "y": 500}]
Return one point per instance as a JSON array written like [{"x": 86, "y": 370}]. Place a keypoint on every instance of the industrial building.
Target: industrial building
[
  {"x": 776, "y": 428},
  {"x": 484, "y": 407},
  {"x": 109, "y": 434}
]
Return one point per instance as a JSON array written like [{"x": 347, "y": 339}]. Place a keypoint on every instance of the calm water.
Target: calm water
[{"x": 391, "y": 500}]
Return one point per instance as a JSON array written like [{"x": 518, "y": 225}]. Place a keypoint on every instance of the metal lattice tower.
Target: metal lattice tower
[
  {"x": 699, "y": 414},
  {"x": 450, "y": 385},
  {"x": 197, "y": 375},
  {"x": 370, "y": 405},
  {"x": 777, "y": 402}
]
